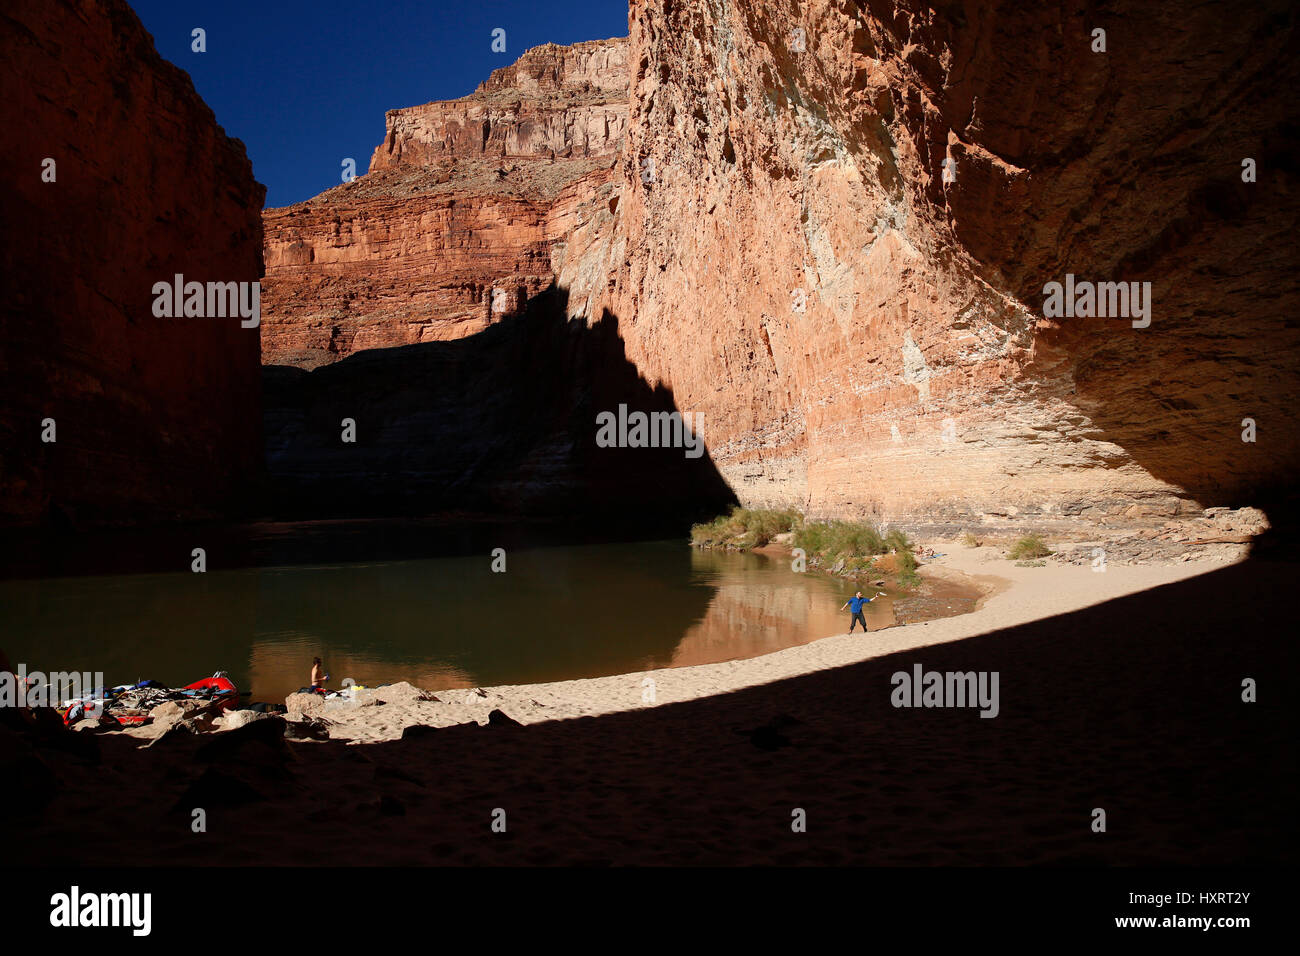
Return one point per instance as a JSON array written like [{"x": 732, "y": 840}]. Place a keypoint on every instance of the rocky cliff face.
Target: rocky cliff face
[
  {"x": 865, "y": 338},
  {"x": 554, "y": 101},
  {"x": 455, "y": 226},
  {"x": 498, "y": 423},
  {"x": 153, "y": 418},
  {"x": 829, "y": 227}
]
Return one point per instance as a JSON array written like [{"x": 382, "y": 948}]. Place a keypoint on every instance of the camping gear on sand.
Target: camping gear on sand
[{"x": 130, "y": 704}]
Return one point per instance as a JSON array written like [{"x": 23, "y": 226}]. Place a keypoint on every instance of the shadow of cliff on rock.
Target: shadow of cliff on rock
[
  {"x": 460, "y": 446},
  {"x": 503, "y": 422}
]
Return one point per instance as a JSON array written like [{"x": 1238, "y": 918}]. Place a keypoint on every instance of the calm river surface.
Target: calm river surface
[{"x": 556, "y": 613}]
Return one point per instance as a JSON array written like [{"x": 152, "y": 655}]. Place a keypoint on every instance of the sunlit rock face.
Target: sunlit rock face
[
  {"x": 866, "y": 335},
  {"x": 554, "y": 101},
  {"x": 830, "y": 229},
  {"x": 456, "y": 225},
  {"x": 154, "y": 418}
]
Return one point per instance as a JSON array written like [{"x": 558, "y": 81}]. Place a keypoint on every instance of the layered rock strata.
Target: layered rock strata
[
  {"x": 866, "y": 335},
  {"x": 829, "y": 229},
  {"x": 456, "y": 224}
]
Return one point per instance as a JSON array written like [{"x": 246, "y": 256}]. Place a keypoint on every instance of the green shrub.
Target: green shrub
[
  {"x": 970, "y": 540},
  {"x": 744, "y": 528},
  {"x": 766, "y": 525},
  {"x": 710, "y": 533},
  {"x": 896, "y": 540},
  {"x": 1030, "y": 546},
  {"x": 852, "y": 539},
  {"x": 856, "y": 543},
  {"x": 811, "y": 538}
]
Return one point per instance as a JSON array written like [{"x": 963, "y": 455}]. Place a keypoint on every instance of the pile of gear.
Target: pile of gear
[{"x": 130, "y": 704}]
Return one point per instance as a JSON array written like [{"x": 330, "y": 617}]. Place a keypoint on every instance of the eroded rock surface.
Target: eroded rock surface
[
  {"x": 827, "y": 227},
  {"x": 865, "y": 339},
  {"x": 457, "y": 225}
]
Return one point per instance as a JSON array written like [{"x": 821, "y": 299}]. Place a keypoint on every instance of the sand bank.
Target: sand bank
[
  {"x": 1130, "y": 702},
  {"x": 1013, "y": 595}
]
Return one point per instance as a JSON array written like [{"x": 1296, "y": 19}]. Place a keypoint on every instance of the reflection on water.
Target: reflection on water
[
  {"x": 759, "y": 605},
  {"x": 556, "y": 613}
]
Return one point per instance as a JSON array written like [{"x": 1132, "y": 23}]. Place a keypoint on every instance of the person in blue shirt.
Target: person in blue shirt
[{"x": 855, "y": 605}]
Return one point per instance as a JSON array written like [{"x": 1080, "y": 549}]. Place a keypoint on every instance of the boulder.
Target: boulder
[
  {"x": 499, "y": 718},
  {"x": 235, "y": 719},
  {"x": 258, "y": 742},
  {"x": 28, "y": 782},
  {"x": 309, "y": 728},
  {"x": 419, "y": 731},
  {"x": 301, "y": 705}
]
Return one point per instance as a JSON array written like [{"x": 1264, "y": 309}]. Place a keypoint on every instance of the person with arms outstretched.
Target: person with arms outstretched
[{"x": 855, "y": 605}]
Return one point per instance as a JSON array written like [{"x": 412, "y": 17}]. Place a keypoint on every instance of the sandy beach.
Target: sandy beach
[
  {"x": 1118, "y": 690},
  {"x": 1013, "y": 595}
]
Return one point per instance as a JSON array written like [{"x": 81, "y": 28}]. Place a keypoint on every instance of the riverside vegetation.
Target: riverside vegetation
[
  {"x": 1029, "y": 547},
  {"x": 849, "y": 547}
]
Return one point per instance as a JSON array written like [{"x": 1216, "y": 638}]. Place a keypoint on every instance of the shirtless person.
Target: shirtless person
[{"x": 319, "y": 677}]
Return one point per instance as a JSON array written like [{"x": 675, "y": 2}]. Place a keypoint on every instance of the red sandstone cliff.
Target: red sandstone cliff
[
  {"x": 456, "y": 225},
  {"x": 921, "y": 382},
  {"x": 568, "y": 101},
  {"x": 155, "y": 418},
  {"x": 781, "y": 249}
]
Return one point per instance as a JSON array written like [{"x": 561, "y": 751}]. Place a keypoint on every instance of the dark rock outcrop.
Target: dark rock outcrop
[{"x": 500, "y": 422}]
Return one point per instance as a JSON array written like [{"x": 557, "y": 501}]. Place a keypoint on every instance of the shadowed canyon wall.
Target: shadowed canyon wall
[
  {"x": 497, "y": 422},
  {"x": 421, "y": 302},
  {"x": 153, "y": 418},
  {"x": 864, "y": 335}
]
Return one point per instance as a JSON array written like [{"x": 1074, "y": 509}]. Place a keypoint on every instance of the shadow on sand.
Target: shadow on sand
[{"x": 1133, "y": 706}]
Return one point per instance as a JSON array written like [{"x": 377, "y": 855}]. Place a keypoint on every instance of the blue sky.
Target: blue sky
[{"x": 305, "y": 83}]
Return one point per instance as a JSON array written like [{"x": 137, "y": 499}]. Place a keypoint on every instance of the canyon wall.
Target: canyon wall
[
  {"x": 865, "y": 338},
  {"x": 495, "y": 423},
  {"x": 557, "y": 101},
  {"x": 456, "y": 223},
  {"x": 117, "y": 176},
  {"x": 420, "y": 302},
  {"x": 827, "y": 226}
]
